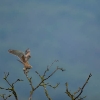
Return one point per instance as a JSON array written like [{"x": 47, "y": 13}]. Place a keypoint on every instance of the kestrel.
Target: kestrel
[{"x": 24, "y": 57}]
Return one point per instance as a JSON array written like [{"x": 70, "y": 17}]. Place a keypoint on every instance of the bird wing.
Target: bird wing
[
  {"x": 17, "y": 53},
  {"x": 27, "y": 54},
  {"x": 27, "y": 51}
]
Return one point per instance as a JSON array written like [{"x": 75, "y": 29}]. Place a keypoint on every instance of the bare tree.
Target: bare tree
[{"x": 43, "y": 83}]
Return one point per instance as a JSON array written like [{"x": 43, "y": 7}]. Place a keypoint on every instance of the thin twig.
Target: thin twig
[
  {"x": 79, "y": 90},
  {"x": 11, "y": 89},
  {"x": 31, "y": 84},
  {"x": 83, "y": 86},
  {"x": 48, "y": 67},
  {"x": 46, "y": 78}
]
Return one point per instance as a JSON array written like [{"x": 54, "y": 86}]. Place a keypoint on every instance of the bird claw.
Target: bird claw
[{"x": 25, "y": 70}]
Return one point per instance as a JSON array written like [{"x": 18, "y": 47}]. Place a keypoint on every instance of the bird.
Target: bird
[{"x": 23, "y": 57}]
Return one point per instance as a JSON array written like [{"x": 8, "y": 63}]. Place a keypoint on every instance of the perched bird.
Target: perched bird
[{"x": 23, "y": 58}]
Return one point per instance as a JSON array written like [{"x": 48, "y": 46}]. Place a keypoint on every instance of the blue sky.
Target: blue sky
[{"x": 66, "y": 30}]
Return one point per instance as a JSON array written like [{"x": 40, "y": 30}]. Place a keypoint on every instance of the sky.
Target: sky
[{"x": 64, "y": 30}]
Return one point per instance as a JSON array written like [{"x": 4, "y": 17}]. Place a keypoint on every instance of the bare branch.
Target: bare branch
[
  {"x": 83, "y": 86},
  {"x": 54, "y": 86},
  {"x": 42, "y": 79},
  {"x": 31, "y": 84},
  {"x": 16, "y": 81},
  {"x": 48, "y": 67},
  {"x": 82, "y": 98},
  {"x": 79, "y": 90},
  {"x": 47, "y": 77},
  {"x": 42, "y": 83},
  {"x": 5, "y": 98},
  {"x": 46, "y": 93},
  {"x": 68, "y": 93},
  {"x": 11, "y": 89}
]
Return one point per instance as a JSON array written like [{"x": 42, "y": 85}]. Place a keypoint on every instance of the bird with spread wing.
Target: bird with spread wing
[{"x": 23, "y": 58}]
